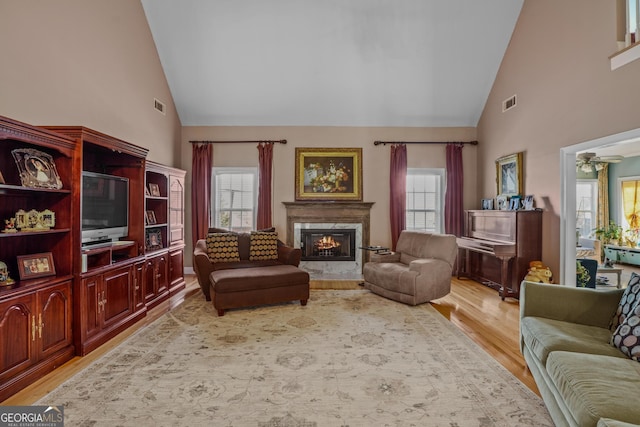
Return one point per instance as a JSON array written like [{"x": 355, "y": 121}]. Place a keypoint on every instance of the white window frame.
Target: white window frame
[
  {"x": 214, "y": 219},
  {"x": 593, "y": 209},
  {"x": 439, "y": 210}
]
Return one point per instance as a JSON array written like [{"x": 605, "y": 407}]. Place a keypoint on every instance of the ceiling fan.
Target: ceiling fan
[{"x": 588, "y": 162}]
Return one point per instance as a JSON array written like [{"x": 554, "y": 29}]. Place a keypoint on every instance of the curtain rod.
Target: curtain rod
[
  {"x": 280, "y": 141},
  {"x": 423, "y": 142}
]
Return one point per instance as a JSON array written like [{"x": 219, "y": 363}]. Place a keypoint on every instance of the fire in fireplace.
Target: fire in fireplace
[{"x": 328, "y": 245}]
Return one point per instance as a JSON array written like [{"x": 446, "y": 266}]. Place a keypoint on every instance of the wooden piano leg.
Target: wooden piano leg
[{"x": 505, "y": 291}]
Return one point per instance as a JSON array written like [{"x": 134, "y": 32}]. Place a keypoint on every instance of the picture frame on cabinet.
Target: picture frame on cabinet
[
  {"x": 151, "y": 218},
  {"x": 37, "y": 169},
  {"x": 154, "y": 189},
  {"x": 527, "y": 203},
  {"x": 502, "y": 202},
  {"x": 153, "y": 239},
  {"x": 514, "y": 203},
  {"x": 487, "y": 204},
  {"x": 36, "y": 265}
]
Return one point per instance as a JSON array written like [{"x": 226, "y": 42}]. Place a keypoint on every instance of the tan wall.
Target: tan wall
[
  {"x": 557, "y": 64},
  {"x": 87, "y": 63},
  {"x": 375, "y": 161}
]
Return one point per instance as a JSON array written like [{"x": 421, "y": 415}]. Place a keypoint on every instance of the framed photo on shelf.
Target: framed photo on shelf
[
  {"x": 332, "y": 174},
  {"x": 36, "y": 265},
  {"x": 37, "y": 169},
  {"x": 509, "y": 174},
  {"x": 151, "y": 218},
  {"x": 154, "y": 190},
  {"x": 153, "y": 239},
  {"x": 487, "y": 204}
]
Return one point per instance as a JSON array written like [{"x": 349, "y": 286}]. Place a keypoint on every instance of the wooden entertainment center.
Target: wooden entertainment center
[{"x": 91, "y": 293}]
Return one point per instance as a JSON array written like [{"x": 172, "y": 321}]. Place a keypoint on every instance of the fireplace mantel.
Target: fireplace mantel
[{"x": 342, "y": 212}]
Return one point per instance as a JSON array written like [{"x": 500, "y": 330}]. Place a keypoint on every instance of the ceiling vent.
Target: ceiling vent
[
  {"x": 508, "y": 103},
  {"x": 159, "y": 106}
]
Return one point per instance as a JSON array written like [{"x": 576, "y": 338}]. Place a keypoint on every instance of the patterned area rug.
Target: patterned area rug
[{"x": 349, "y": 358}]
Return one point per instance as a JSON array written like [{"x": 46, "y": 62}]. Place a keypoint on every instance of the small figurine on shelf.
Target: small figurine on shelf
[
  {"x": 5, "y": 280},
  {"x": 10, "y": 226}
]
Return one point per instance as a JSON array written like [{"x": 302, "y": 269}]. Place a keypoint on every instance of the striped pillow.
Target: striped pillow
[
  {"x": 264, "y": 246},
  {"x": 223, "y": 247}
]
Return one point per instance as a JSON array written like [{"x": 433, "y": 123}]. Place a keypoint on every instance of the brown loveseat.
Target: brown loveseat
[{"x": 254, "y": 277}]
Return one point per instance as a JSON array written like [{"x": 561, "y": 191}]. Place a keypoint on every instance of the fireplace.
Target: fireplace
[{"x": 328, "y": 244}]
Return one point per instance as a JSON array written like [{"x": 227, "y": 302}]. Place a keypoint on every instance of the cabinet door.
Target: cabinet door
[
  {"x": 91, "y": 307},
  {"x": 176, "y": 269},
  {"x": 176, "y": 209},
  {"x": 54, "y": 318},
  {"x": 150, "y": 283},
  {"x": 138, "y": 286},
  {"x": 162, "y": 274},
  {"x": 116, "y": 295},
  {"x": 17, "y": 335}
]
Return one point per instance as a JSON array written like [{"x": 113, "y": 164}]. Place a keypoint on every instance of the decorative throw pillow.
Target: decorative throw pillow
[
  {"x": 627, "y": 336},
  {"x": 264, "y": 246},
  {"x": 629, "y": 300},
  {"x": 223, "y": 247}
]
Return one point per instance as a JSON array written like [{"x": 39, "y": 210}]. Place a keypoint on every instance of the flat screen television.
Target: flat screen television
[{"x": 105, "y": 208}]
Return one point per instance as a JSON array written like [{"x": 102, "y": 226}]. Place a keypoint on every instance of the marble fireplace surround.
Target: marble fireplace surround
[{"x": 330, "y": 212}]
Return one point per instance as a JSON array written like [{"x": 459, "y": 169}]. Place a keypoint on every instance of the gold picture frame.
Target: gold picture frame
[
  {"x": 509, "y": 175},
  {"x": 333, "y": 174}
]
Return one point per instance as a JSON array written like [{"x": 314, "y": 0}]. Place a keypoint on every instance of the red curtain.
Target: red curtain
[
  {"x": 265, "y": 162},
  {"x": 201, "y": 163},
  {"x": 398, "y": 191},
  {"x": 453, "y": 210}
]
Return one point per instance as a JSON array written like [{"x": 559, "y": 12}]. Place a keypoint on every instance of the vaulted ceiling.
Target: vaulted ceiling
[{"x": 331, "y": 62}]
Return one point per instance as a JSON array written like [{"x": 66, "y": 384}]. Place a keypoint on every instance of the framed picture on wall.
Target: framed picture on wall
[
  {"x": 509, "y": 174},
  {"x": 328, "y": 174}
]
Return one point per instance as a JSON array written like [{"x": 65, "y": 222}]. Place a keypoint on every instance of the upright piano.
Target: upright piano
[{"x": 497, "y": 247}]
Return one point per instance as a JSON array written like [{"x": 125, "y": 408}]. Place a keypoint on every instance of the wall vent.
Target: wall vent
[
  {"x": 159, "y": 106},
  {"x": 508, "y": 103}
]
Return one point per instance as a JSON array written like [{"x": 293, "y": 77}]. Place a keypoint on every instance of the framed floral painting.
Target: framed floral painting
[{"x": 328, "y": 174}]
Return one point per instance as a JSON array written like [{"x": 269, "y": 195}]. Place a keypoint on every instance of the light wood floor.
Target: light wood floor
[{"x": 476, "y": 309}]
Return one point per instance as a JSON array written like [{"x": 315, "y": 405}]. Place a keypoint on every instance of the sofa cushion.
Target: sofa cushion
[
  {"x": 629, "y": 299},
  {"x": 222, "y": 247},
  {"x": 250, "y": 279},
  {"x": 627, "y": 335},
  {"x": 543, "y": 336},
  {"x": 263, "y": 246},
  {"x": 594, "y": 386}
]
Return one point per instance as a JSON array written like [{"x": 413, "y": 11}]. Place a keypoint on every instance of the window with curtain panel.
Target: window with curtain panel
[
  {"x": 425, "y": 199},
  {"x": 630, "y": 221},
  {"x": 234, "y": 198}
]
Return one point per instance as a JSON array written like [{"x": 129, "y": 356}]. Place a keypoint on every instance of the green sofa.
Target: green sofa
[{"x": 564, "y": 338}]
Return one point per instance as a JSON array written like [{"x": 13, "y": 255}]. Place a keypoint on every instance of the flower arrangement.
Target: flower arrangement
[{"x": 328, "y": 179}]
